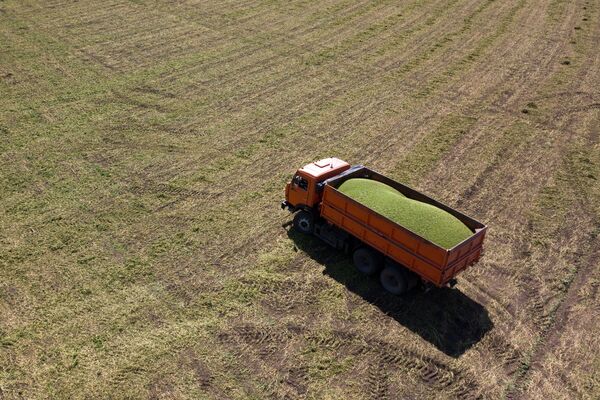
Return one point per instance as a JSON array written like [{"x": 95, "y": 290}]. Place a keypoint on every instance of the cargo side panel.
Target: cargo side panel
[
  {"x": 433, "y": 263},
  {"x": 383, "y": 235}
]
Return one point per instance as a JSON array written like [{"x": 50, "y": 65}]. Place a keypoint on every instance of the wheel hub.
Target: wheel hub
[{"x": 304, "y": 223}]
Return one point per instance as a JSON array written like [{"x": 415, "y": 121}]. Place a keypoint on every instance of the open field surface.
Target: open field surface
[{"x": 144, "y": 146}]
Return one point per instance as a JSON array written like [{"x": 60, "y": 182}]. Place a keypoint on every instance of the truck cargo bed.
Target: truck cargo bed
[{"x": 432, "y": 262}]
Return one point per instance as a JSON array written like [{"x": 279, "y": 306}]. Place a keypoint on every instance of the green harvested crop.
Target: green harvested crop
[
  {"x": 426, "y": 220},
  {"x": 365, "y": 188}
]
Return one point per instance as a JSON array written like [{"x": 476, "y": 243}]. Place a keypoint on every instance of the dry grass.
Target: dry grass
[{"x": 144, "y": 147}]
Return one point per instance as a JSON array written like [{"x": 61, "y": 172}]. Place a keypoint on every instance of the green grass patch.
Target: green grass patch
[
  {"x": 432, "y": 148},
  {"x": 430, "y": 222}
]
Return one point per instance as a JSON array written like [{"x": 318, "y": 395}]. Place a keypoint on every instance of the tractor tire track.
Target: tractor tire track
[{"x": 386, "y": 358}]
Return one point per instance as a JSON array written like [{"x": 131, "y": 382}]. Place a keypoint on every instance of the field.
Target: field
[{"x": 144, "y": 147}]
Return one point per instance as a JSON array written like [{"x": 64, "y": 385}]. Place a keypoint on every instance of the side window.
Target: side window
[{"x": 301, "y": 182}]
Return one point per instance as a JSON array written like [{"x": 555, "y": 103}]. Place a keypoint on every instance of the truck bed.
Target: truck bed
[{"x": 432, "y": 262}]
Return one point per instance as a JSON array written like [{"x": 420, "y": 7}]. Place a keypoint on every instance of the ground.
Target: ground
[{"x": 144, "y": 146}]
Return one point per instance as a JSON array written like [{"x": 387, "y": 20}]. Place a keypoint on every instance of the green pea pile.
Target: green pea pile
[{"x": 426, "y": 220}]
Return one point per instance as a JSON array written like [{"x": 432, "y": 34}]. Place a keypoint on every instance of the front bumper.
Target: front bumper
[{"x": 285, "y": 204}]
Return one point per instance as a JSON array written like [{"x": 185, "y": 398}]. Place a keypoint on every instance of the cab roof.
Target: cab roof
[{"x": 325, "y": 168}]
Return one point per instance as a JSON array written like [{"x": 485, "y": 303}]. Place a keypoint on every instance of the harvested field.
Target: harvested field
[{"x": 144, "y": 146}]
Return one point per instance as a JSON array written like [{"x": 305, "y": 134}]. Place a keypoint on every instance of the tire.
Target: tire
[
  {"x": 367, "y": 261},
  {"x": 393, "y": 280},
  {"x": 304, "y": 222},
  {"x": 412, "y": 280}
]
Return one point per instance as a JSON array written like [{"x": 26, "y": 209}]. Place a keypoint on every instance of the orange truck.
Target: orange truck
[{"x": 402, "y": 258}]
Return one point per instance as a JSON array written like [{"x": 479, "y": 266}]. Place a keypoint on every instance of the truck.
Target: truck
[{"x": 403, "y": 259}]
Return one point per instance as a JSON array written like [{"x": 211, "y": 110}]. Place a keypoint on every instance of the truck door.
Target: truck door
[{"x": 299, "y": 191}]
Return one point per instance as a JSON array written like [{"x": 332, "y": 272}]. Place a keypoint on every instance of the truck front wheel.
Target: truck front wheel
[
  {"x": 393, "y": 280},
  {"x": 367, "y": 261},
  {"x": 304, "y": 222}
]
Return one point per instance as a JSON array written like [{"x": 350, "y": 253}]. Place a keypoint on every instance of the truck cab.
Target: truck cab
[{"x": 304, "y": 192}]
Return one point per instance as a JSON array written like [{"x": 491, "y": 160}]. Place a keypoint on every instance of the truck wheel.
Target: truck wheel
[
  {"x": 393, "y": 280},
  {"x": 367, "y": 261},
  {"x": 304, "y": 222},
  {"x": 412, "y": 280}
]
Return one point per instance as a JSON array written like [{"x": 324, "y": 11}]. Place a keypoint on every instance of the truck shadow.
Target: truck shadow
[{"x": 446, "y": 318}]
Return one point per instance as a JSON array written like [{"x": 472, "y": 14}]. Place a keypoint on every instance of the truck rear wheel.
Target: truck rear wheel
[
  {"x": 367, "y": 261},
  {"x": 304, "y": 222},
  {"x": 393, "y": 280},
  {"x": 412, "y": 280}
]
